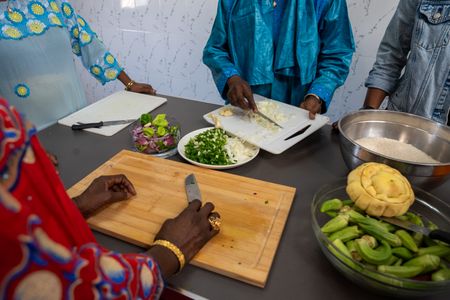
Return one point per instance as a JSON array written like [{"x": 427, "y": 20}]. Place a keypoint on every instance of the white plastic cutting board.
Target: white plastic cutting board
[
  {"x": 240, "y": 125},
  {"x": 122, "y": 105}
]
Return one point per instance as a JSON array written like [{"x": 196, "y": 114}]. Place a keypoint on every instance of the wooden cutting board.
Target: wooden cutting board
[{"x": 253, "y": 212}]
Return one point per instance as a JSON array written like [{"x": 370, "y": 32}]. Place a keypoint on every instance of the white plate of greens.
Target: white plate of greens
[{"x": 213, "y": 148}]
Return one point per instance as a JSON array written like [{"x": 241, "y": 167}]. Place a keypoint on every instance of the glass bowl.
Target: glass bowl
[
  {"x": 427, "y": 205},
  {"x": 160, "y": 146}
]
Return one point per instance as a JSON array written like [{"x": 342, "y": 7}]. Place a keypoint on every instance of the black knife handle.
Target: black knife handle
[
  {"x": 86, "y": 126},
  {"x": 441, "y": 235}
]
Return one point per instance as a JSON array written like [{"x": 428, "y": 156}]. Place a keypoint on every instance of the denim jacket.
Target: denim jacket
[
  {"x": 315, "y": 44},
  {"x": 417, "y": 42}
]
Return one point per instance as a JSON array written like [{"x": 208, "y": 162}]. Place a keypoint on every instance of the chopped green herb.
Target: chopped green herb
[{"x": 209, "y": 148}]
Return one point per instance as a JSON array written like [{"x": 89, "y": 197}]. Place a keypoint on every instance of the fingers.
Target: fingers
[
  {"x": 195, "y": 205},
  {"x": 250, "y": 102},
  {"x": 120, "y": 182},
  {"x": 143, "y": 88},
  {"x": 207, "y": 209},
  {"x": 117, "y": 196},
  {"x": 312, "y": 106},
  {"x": 240, "y": 94}
]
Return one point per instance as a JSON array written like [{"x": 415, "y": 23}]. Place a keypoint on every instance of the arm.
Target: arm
[
  {"x": 392, "y": 54},
  {"x": 93, "y": 54},
  {"x": 216, "y": 53},
  {"x": 336, "y": 51}
]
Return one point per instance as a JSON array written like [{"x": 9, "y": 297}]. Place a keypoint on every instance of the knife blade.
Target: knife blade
[
  {"x": 81, "y": 126},
  {"x": 437, "y": 234},
  {"x": 264, "y": 116},
  {"x": 192, "y": 189}
]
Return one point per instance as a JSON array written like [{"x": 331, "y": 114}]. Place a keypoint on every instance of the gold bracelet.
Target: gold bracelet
[
  {"x": 129, "y": 85},
  {"x": 175, "y": 250}
]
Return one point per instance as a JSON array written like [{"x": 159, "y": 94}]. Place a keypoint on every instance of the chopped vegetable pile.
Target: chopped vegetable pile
[
  {"x": 155, "y": 135},
  {"x": 215, "y": 147}
]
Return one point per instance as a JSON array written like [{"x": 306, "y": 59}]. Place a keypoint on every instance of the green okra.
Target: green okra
[
  {"x": 401, "y": 271},
  {"x": 332, "y": 204},
  {"x": 429, "y": 262},
  {"x": 387, "y": 226},
  {"x": 344, "y": 254},
  {"x": 403, "y": 218},
  {"x": 438, "y": 250},
  {"x": 398, "y": 262},
  {"x": 332, "y": 213},
  {"x": 337, "y": 223},
  {"x": 415, "y": 219},
  {"x": 402, "y": 252},
  {"x": 392, "y": 260},
  {"x": 352, "y": 248},
  {"x": 407, "y": 240},
  {"x": 346, "y": 234},
  {"x": 347, "y": 202},
  {"x": 382, "y": 234},
  {"x": 371, "y": 240},
  {"x": 441, "y": 275},
  {"x": 378, "y": 256}
]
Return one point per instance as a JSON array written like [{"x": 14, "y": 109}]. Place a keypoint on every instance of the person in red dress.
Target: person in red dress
[{"x": 47, "y": 249}]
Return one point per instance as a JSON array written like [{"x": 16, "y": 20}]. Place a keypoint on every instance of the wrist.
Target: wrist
[
  {"x": 168, "y": 256},
  {"x": 129, "y": 85}
]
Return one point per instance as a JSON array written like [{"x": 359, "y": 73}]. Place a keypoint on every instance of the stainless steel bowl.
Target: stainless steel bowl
[{"x": 426, "y": 135}]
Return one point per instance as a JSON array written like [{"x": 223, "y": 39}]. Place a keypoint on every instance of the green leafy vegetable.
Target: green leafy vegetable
[
  {"x": 145, "y": 119},
  {"x": 161, "y": 131},
  {"x": 149, "y": 131},
  {"x": 209, "y": 148},
  {"x": 160, "y": 120}
]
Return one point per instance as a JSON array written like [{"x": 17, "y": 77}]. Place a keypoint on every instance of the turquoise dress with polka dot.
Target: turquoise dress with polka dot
[{"x": 38, "y": 41}]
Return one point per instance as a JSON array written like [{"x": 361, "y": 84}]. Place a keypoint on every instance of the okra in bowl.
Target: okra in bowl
[{"x": 379, "y": 256}]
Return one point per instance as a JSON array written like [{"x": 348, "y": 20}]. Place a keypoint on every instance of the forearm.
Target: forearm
[
  {"x": 124, "y": 78},
  {"x": 374, "y": 97}
]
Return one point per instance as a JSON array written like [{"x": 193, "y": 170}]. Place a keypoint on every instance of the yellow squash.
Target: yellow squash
[{"x": 379, "y": 190}]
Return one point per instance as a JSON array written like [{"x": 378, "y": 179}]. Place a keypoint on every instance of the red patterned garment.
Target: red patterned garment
[{"x": 47, "y": 251}]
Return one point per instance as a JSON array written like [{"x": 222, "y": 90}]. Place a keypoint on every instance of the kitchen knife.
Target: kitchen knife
[
  {"x": 81, "y": 126},
  {"x": 192, "y": 189},
  {"x": 437, "y": 234}
]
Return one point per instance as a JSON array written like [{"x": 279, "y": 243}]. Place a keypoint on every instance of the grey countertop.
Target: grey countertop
[{"x": 299, "y": 270}]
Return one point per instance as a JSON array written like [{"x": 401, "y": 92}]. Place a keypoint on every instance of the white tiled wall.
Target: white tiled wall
[{"x": 161, "y": 42}]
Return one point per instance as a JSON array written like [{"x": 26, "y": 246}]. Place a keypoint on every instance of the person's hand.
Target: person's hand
[
  {"x": 240, "y": 94},
  {"x": 313, "y": 105},
  {"x": 189, "y": 231},
  {"x": 102, "y": 191},
  {"x": 142, "y": 88}
]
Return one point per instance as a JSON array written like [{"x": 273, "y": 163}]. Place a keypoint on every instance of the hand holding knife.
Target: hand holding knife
[
  {"x": 81, "y": 126},
  {"x": 193, "y": 193}
]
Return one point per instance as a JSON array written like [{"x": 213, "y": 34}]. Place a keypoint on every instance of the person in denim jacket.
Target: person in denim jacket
[
  {"x": 417, "y": 43},
  {"x": 296, "y": 51}
]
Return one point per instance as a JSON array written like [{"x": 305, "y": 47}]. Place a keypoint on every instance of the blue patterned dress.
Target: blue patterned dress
[{"x": 37, "y": 70}]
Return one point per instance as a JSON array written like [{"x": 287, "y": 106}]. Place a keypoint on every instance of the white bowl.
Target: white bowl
[{"x": 185, "y": 139}]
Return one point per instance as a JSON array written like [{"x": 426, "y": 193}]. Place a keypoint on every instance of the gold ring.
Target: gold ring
[{"x": 215, "y": 222}]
